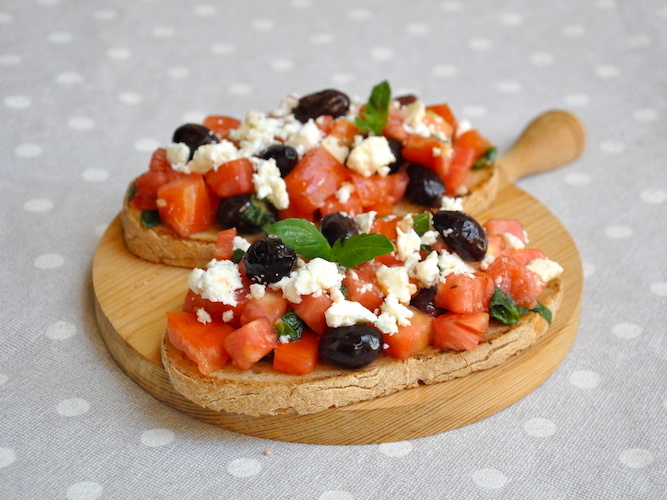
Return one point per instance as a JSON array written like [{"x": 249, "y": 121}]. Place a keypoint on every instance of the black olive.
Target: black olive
[
  {"x": 327, "y": 102},
  {"x": 286, "y": 157},
  {"x": 338, "y": 226},
  {"x": 404, "y": 100},
  {"x": 397, "y": 150},
  {"x": 424, "y": 187},
  {"x": 424, "y": 300},
  {"x": 193, "y": 136},
  {"x": 268, "y": 260},
  {"x": 462, "y": 233},
  {"x": 350, "y": 346},
  {"x": 244, "y": 212}
]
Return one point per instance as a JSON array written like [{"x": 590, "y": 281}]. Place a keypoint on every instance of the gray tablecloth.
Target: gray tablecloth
[{"x": 89, "y": 89}]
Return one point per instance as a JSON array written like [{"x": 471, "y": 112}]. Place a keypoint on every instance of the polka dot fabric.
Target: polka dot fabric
[{"x": 89, "y": 89}]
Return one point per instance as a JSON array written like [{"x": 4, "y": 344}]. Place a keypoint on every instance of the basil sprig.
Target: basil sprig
[
  {"x": 290, "y": 325},
  {"x": 487, "y": 159},
  {"x": 421, "y": 223},
  {"x": 307, "y": 241},
  {"x": 504, "y": 309},
  {"x": 376, "y": 113},
  {"x": 150, "y": 218}
]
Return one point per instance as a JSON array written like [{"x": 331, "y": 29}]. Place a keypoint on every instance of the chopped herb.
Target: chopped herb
[
  {"x": 487, "y": 159},
  {"x": 307, "y": 241},
  {"x": 237, "y": 255},
  {"x": 421, "y": 223},
  {"x": 258, "y": 213},
  {"x": 504, "y": 309},
  {"x": 376, "y": 113},
  {"x": 543, "y": 311},
  {"x": 150, "y": 218},
  {"x": 290, "y": 325},
  {"x": 343, "y": 290}
]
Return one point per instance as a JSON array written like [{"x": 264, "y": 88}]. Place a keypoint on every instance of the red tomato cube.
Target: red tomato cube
[
  {"x": 272, "y": 306},
  {"x": 250, "y": 343},
  {"x": 232, "y": 178},
  {"x": 460, "y": 331},
  {"x": 184, "y": 205},
  {"x": 299, "y": 357},
  {"x": 410, "y": 339},
  {"x": 311, "y": 310},
  {"x": 464, "y": 293}
]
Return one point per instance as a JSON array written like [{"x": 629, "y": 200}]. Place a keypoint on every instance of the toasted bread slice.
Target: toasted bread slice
[
  {"x": 264, "y": 391},
  {"x": 161, "y": 245}
]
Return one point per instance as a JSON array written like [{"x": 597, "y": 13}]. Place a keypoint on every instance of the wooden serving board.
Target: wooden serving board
[{"x": 133, "y": 295}]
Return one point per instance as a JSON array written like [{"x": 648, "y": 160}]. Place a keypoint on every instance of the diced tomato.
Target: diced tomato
[
  {"x": 311, "y": 310},
  {"x": 438, "y": 125},
  {"x": 298, "y": 357},
  {"x": 146, "y": 187},
  {"x": 221, "y": 125},
  {"x": 426, "y": 151},
  {"x": 316, "y": 177},
  {"x": 362, "y": 287},
  {"x": 497, "y": 226},
  {"x": 344, "y": 130},
  {"x": 377, "y": 189},
  {"x": 184, "y": 205},
  {"x": 232, "y": 178},
  {"x": 193, "y": 302},
  {"x": 324, "y": 123},
  {"x": 445, "y": 112},
  {"x": 292, "y": 212},
  {"x": 410, "y": 339},
  {"x": 351, "y": 207},
  {"x": 525, "y": 256},
  {"x": 516, "y": 280},
  {"x": 159, "y": 161},
  {"x": 464, "y": 293},
  {"x": 224, "y": 244},
  {"x": 389, "y": 259},
  {"x": 250, "y": 343},
  {"x": 473, "y": 139},
  {"x": 386, "y": 226},
  {"x": 394, "y": 128},
  {"x": 201, "y": 343},
  {"x": 460, "y": 331},
  {"x": 271, "y": 307},
  {"x": 456, "y": 172}
]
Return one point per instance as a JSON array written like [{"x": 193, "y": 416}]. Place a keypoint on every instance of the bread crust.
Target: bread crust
[
  {"x": 263, "y": 391},
  {"x": 161, "y": 245}
]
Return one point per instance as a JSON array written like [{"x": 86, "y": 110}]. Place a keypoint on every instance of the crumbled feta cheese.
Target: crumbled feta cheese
[
  {"x": 218, "y": 283},
  {"x": 512, "y": 241},
  {"x": 203, "y": 317},
  {"x": 429, "y": 237},
  {"x": 284, "y": 339},
  {"x": 372, "y": 156},
  {"x": 427, "y": 271},
  {"x": 256, "y": 133},
  {"x": 305, "y": 138},
  {"x": 313, "y": 278},
  {"x": 178, "y": 155},
  {"x": 393, "y": 314},
  {"x": 210, "y": 156},
  {"x": 257, "y": 290},
  {"x": 269, "y": 184},
  {"x": 334, "y": 147},
  {"x": 407, "y": 243},
  {"x": 286, "y": 106},
  {"x": 462, "y": 127},
  {"x": 451, "y": 263},
  {"x": 344, "y": 192},
  {"x": 347, "y": 313},
  {"x": 365, "y": 221},
  {"x": 545, "y": 269},
  {"x": 395, "y": 281},
  {"x": 406, "y": 223},
  {"x": 451, "y": 204},
  {"x": 227, "y": 316},
  {"x": 240, "y": 243},
  {"x": 413, "y": 114}
]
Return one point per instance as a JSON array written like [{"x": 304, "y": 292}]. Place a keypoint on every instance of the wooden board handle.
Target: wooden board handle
[{"x": 553, "y": 139}]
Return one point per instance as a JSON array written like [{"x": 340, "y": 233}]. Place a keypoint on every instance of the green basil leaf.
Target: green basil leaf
[
  {"x": 376, "y": 112},
  {"x": 543, "y": 311},
  {"x": 487, "y": 159},
  {"x": 421, "y": 223},
  {"x": 150, "y": 218},
  {"x": 258, "y": 213},
  {"x": 237, "y": 255},
  {"x": 503, "y": 308},
  {"x": 362, "y": 248},
  {"x": 290, "y": 325},
  {"x": 303, "y": 237}
]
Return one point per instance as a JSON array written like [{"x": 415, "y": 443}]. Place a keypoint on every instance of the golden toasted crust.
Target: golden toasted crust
[{"x": 263, "y": 391}]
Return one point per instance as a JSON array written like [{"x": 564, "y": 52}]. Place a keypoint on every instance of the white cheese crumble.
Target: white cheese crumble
[
  {"x": 413, "y": 114},
  {"x": 256, "y": 133},
  {"x": 512, "y": 241},
  {"x": 462, "y": 127},
  {"x": 407, "y": 243},
  {"x": 393, "y": 314},
  {"x": 371, "y": 156},
  {"x": 305, "y": 138},
  {"x": 451, "y": 263},
  {"x": 218, "y": 283},
  {"x": 269, "y": 184},
  {"x": 210, "y": 156},
  {"x": 334, "y": 147},
  {"x": 545, "y": 269},
  {"x": 203, "y": 317},
  {"x": 240, "y": 243},
  {"x": 451, "y": 204},
  {"x": 348, "y": 313},
  {"x": 257, "y": 290},
  {"x": 395, "y": 281},
  {"x": 178, "y": 154},
  {"x": 365, "y": 221},
  {"x": 313, "y": 278},
  {"x": 430, "y": 237},
  {"x": 227, "y": 316},
  {"x": 427, "y": 271},
  {"x": 344, "y": 192}
]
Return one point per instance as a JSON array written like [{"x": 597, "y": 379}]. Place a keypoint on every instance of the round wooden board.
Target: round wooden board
[{"x": 132, "y": 296}]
